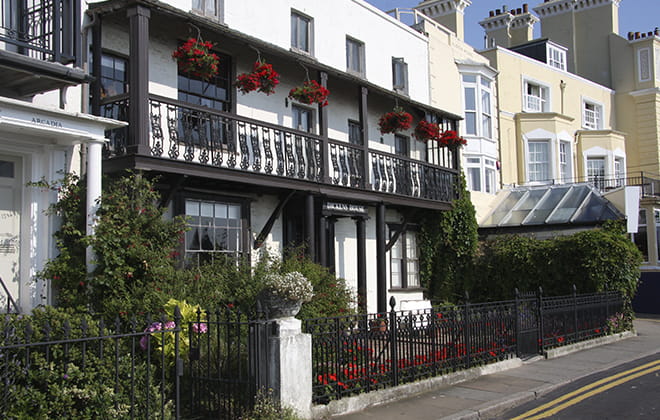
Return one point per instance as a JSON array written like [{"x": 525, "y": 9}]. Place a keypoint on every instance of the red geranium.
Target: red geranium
[
  {"x": 395, "y": 121},
  {"x": 451, "y": 138},
  {"x": 425, "y": 131},
  {"x": 262, "y": 78},
  {"x": 310, "y": 92},
  {"x": 195, "y": 58}
]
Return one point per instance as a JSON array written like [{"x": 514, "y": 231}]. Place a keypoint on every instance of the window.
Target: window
[
  {"x": 214, "y": 229},
  {"x": 354, "y": 133},
  {"x": 208, "y": 8},
  {"x": 214, "y": 93},
  {"x": 401, "y": 145},
  {"x": 474, "y": 179},
  {"x": 399, "y": 75},
  {"x": 491, "y": 182},
  {"x": 538, "y": 161},
  {"x": 481, "y": 177},
  {"x": 535, "y": 97},
  {"x": 591, "y": 115},
  {"x": 640, "y": 238},
  {"x": 556, "y": 57},
  {"x": 596, "y": 170},
  {"x": 354, "y": 56},
  {"x": 114, "y": 74},
  {"x": 404, "y": 260},
  {"x": 565, "y": 161},
  {"x": 478, "y": 112},
  {"x": 619, "y": 172},
  {"x": 301, "y": 32},
  {"x": 302, "y": 119}
]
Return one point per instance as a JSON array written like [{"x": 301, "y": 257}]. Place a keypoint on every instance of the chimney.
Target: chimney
[
  {"x": 448, "y": 13},
  {"x": 497, "y": 26},
  {"x": 522, "y": 27}
]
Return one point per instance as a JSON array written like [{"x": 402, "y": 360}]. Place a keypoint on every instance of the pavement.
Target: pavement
[{"x": 490, "y": 395}]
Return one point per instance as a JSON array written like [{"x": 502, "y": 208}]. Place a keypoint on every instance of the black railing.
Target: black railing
[
  {"x": 195, "y": 134},
  {"x": 203, "y": 365},
  {"x": 42, "y": 29},
  {"x": 360, "y": 353},
  {"x": 12, "y": 307}
]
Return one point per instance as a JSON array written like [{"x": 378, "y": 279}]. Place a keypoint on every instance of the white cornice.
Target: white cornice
[
  {"x": 645, "y": 92},
  {"x": 526, "y": 19},
  {"x": 503, "y": 20},
  {"x": 438, "y": 8},
  {"x": 558, "y": 7}
]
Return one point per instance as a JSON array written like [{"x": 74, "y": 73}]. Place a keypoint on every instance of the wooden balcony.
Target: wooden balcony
[
  {"x": 281, "y": 156},
  {"x": 38, "y": 39}
]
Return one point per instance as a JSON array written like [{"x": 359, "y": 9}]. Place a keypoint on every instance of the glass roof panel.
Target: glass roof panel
[
  {"x": 574, "y": 198},
  {"x": 546, "y": 206},
  {"x": 503, "y": 208},
  {"x": 525, "y": 206}
]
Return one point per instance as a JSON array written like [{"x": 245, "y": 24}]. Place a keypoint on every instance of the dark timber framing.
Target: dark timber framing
[
  {"x": 381, "y": 261},
  {"x": 138, "y": 79}
]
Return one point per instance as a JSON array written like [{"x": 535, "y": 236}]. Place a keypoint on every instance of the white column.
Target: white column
[
  {"x": 291, "y": 366},
  {"x": 94, "y": 158}
]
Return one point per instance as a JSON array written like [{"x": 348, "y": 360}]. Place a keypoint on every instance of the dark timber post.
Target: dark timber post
[
  {"x": 323, "y": 241},
  {"x": 96, "y": 66},
  {"x": 361, "y": 263},
  {"x": 309, "y": 227},
  {"x": 381, "y": 264},
  {"x": 331, "y": 243},
  {"x": 138, "y": 80},
  {"x": 323, "y": 126},
  {"x": 364, "y": 130}
]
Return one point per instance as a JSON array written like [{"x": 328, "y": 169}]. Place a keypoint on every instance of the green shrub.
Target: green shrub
[{"x": 267, "y": 408}]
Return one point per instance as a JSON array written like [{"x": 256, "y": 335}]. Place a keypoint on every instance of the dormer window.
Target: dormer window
[
  {"x": 535, "y": 97},
  {"x": 556, "y": 57}
]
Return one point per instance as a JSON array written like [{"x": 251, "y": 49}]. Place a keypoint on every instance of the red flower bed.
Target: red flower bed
[
  {"x": 392, "y": 122},
  {"x": 310, "y": 92},
  {"x": 262, "y": 78},
  {"x": 195, "y": 58}
]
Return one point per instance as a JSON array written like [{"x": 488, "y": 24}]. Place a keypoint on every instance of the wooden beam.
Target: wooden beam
[{"x": 271, "y": 221}]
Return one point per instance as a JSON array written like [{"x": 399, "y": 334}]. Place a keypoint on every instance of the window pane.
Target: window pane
[
  {"x": 470, "y": 101},
  {"x": 469, "y": 78},
  {"x": 538, "y": 161},
  {"x": 474, "y": 179},
  {"x": 471, "y": 123},
  {"x": 6, "y": 169}
]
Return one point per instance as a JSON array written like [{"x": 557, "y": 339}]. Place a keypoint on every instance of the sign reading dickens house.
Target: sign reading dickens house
[{"x": 344, "y": 208}]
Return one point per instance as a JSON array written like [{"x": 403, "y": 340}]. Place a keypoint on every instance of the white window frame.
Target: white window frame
[
  {"x": 543, "y": 176},
  {"x": 644, "y": 64},
  {"x": 355, "y": 63},
  {"x": 565, "y": 161},
  {"x": 404, "y": 255},
  {"x": 535, "y": 103},
  {"x": 590, "y": 169},
  {"x": 482, "y": 112},
  {"x": 399, "y": 75},
  {"x": 556, "y": 57},
  {"x": 481, "y": 174},
  {"x": 620, "y": 171},
  {"x": 298, "y": 18},
  {"x": 592, "y": 115},
  {"x": 295, "y": 110},
  {"x": 199, "y": 7}
]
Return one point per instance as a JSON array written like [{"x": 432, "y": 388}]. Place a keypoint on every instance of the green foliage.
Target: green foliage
[
  {"x": 448, "y": 241},
  {"x": 267, "y": 408},
  {"x": 595, "y": 260},
  {"x": 70, "y": 383}
]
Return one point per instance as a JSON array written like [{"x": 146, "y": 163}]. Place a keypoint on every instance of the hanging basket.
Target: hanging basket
[
  {"x": 263, "y": 78},
  {"x": 450, "y": 138},
  {"x": 395, "y": 121},
  {"x": 194, "y": 57},
  {"x": 425, "y": 131},
  {"x": 310, "y": 92}
]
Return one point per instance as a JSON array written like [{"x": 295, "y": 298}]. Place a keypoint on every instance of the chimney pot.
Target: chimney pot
[
  {"x": 504, "y": 9},
  {"x": 497, "y": 12},
  {"x": 518, "y": 11},
  {"x": 630, "y": 36},
  {"x": 491, "y": 13},
  {"x": 525, "y": 8},
  {"x": 637, "y": 34},
  {"x": 657, "y": 31}
]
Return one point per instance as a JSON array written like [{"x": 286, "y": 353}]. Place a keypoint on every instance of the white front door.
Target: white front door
[{"x": 10, "y": 222}]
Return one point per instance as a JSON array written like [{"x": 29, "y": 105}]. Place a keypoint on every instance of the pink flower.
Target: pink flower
[{"x": 200, "y": 327}]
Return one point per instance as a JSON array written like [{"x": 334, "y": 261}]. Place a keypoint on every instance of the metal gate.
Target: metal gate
[
  {"x": 226, "y": 366},
  {"x": 527, "y": 324}
]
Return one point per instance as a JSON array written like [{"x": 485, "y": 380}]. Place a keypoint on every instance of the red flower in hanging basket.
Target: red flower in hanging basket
[
  {"x": 262, "y": 78},
  {"x": 451, "y": 138},
  {"x": 425, "y": 131},
  {"x": 395, "y": 121},
  {"x": 310, "y": 92},
  {"x": 194, "y": 57}
]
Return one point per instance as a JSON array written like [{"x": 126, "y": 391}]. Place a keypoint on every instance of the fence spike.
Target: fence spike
[
  {"x": 392, "y": 303},
  {"x": 177, "y": 316}
]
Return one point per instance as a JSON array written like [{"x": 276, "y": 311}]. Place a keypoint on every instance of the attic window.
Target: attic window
[{"x": 556, "y": 57}]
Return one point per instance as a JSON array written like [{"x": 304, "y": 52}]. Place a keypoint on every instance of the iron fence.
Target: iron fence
[
  {"x": 203, "y": 365},
  {"x": 359, "y": 353}
]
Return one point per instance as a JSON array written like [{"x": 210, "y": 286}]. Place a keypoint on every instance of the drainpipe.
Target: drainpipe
[{"x": 562, "y": 87}]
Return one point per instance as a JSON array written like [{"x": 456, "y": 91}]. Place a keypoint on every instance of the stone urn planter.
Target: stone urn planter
[{"x": 284, "y": 294}]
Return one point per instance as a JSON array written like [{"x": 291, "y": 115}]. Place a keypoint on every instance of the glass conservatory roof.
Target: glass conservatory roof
[{"x": 555, "y": 204}]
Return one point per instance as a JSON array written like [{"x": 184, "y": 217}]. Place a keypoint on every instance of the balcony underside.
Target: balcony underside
[{"x": 23, "y": 76}]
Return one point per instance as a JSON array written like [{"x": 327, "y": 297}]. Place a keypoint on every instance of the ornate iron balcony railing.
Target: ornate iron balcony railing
[{"x": 185, "y": 132}]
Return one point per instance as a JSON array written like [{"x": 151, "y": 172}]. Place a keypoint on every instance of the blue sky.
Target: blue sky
[{"x": 634, "y": 15}]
